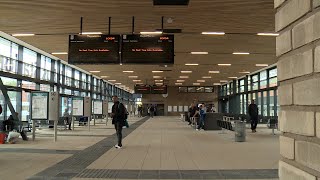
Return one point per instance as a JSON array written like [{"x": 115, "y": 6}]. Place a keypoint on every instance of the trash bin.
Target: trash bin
[{"x": 240, "y": 131}]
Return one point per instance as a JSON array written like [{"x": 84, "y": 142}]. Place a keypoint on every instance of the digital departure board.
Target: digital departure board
[
  {"x": 159, "y": 89},
  {"x": 147, "y": 49},
  {"x": 94, "y": 49},
  {"x": 142, "y": 89}
]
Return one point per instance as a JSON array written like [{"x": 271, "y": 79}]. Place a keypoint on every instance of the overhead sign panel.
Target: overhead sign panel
[
  {"x": 159, "y": 89},
  {"x": 94, "y": 49},
  {"x": 147, "y": 49},
  {"x": 142, "y": 89}
]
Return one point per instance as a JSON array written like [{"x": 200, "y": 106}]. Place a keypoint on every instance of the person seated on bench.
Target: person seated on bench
[
  {"x": 192, "y": 110},
  {"x": 9, "y": 123},
  {"x": 68, "y": 118}
]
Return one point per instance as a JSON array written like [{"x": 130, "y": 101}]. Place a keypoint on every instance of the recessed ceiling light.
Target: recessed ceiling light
[
  {"x": 94, "y": 71},
  {"x": 104, "y": 76},
  {"x": 186, "y": 71},
  {"x": 216, "y": 84},
  {"x": 223, "y": 81},
  {"x": 153, "y": 32},
  {"x": 240, "y": 53},
  {"x": 112, "y": 80},
  {"x": 120, "y": 64},
  {"x": 159, "y": 83},
  {"x": 136, "y": 80},
  {"x": 262, "y": 65},
  {"x": 180, "y": 81},
  {"x": 206, "y": 77},
  {"x": 233, "y": 77},
  {"x": 213, "y": 33},
  {"x": 139, "y": 83},
  {"x": 268, "y": 34},
  {"x": 22, "y": 34},
  {"x": 128, "y": 71},
  {"x": 117, "y": 83},
  {"x": 214, "y": 72},
  {"x": 189, "y": 64},
  {"x": 245, "y": 72},
  {"x": 224, "y": 64},
  {"x": 196, "y": 84},
  {"x": 199, "y": 53},
  {"x": 59, "y": 53},
  {"x": 90, "y": 33},
  {"x": 158, "y": 80},
  {"x": 156, "y": 77},
  {"x": 184, "y": 77},
  {"x": 133, "y": 77},
  {"x": 157, "y": 71},
  {"x": 201, "y": 81}
]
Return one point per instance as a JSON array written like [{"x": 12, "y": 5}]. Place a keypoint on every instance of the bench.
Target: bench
[{"x": 225, "y": 125}]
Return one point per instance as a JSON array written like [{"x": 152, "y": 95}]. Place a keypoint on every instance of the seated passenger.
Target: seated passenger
[{"x": 9, "y": 123}]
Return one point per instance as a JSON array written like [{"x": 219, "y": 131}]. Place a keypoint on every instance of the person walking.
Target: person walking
[
  {"x": 253, "y": 113},
  {"x": 118, "y": 119},
  {"x": 67, "y": 117},
  {"x": 151, "y": 111},
  {"x": 192, "y": 113}
]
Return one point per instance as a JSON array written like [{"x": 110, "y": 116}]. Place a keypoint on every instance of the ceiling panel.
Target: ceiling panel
[{"x": 55, "y": 20}]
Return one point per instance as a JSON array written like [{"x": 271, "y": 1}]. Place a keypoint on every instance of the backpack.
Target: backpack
[{"x": 125, "y": 111}]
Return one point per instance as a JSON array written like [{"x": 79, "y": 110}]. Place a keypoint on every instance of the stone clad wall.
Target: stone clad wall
[{"x": 298, "y": 54}]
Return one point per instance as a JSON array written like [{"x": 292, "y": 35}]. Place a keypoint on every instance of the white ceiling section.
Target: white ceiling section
[{"x": 241, "y": 20}]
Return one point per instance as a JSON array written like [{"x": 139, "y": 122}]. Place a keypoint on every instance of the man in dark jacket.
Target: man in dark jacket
[
  {"x": 253, "y": 113},
  {"x": 118, "y": 119}
]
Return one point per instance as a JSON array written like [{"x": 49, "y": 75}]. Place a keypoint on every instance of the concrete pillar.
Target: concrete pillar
[{"x": 298, "y": 55}]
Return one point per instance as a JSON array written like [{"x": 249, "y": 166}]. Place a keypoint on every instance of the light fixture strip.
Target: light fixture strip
[
  {"x": 268, "y": 34},
  {"x": 241, "y": 53},
  {"x": 22, "y": 34},
  {"x": 213, "y": 33}
]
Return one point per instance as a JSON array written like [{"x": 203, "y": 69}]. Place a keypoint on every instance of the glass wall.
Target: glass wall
[
  {"x": 260, "y": 86},
  {"x": 41, "y": 71}
]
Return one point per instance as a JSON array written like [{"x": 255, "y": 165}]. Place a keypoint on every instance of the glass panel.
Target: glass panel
[
  {"x": 191, "y": 89},
  {"x": 28, "y": 85},
  {"x": 278, "y": 106},
  {"x": 271, "y": 104},
  {"x": 254, "y": 78},
  {"x": 45, "y": 87},
  {"x": 13, "y": 98},
  {"x": 200, "y": 89},
  {"x": 259, "y": 99},
  {"x": 273, "y": 73},
  {"x": 245, "y": 102},
  {"x": 263, "y": 75},
  {"x": 255, "y": 86},
  {"x": 26, "y": 98},
  {"x": 263, "y": 84},
  {"x": 45, "y": 68},
  {"x": 241, "y": 104},
  {"x": 208, "y": 89},
  {"x": 9, "y": 81},
  {"x": 265, "y": 103},
  {"x": 228, "y": 89},
  {"x": 67, "y": 91},
  {"x": 5, "y": 47},
  {"x": 273, "y": 82},
  {"x": 231, "y": 88},
  {"x": 183, "y": 89}
]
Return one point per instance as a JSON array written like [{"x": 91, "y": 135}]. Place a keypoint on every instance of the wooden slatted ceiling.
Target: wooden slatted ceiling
[{"x": 231, "y": 16}]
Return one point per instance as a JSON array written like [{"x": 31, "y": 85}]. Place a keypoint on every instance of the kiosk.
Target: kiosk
[
  {"x": 97, "y": 110},
  {"x": 44, "y": 107}
]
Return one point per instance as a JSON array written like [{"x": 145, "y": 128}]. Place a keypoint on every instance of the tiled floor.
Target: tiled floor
[{"x": 158, "y": 148}]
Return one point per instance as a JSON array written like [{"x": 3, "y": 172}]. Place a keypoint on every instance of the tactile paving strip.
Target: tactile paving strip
[{"x": 70, "y": 167}]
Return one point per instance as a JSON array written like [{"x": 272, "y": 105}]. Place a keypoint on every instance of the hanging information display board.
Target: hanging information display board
[
  {"x": 97, "y": 107},
  {"x": 39, "y": 105},
  {"x": 77, "y": 106}
]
